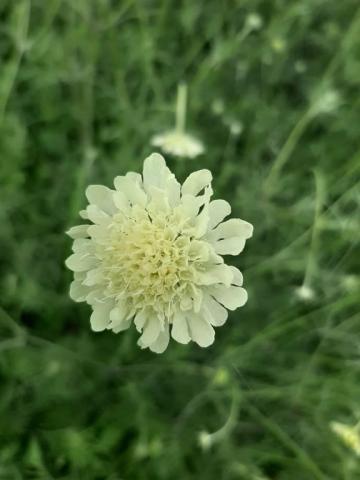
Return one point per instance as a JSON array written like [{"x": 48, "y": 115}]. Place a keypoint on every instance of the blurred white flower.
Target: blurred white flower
[
  {"x": 145, "y": 449},
  {"x": 152, "y": 257},
  {"x": 278, "y": 44},
  {"x": 305, "y": 293},
  {"x": 350, "y": 282},
  {"x": 235, "y": 127},
  {"x": 205, "y": 440},
  {"x": 254, "y": 21},
  {"x": 326, "y": 102},
  {"x": 350, "y": 436},
  {"x": 177, "y": 143}
]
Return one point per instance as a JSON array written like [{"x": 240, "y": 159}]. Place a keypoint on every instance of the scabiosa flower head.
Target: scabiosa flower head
[
  {"x": 254, "y": 21},
  {"x": 205, "y": 440},
  {"x": 305, "y": 293},
  {"x": 178, "y": 143},
  {"x": 151, "y": 257}
]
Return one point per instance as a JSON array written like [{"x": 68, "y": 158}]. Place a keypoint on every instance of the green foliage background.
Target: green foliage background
[{"x": 83, "y": 86}]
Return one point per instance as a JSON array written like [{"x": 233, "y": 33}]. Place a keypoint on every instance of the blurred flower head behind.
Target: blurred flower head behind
[
  {"x": 177, "y": 141},
  {"x": 349, "y": 435}
]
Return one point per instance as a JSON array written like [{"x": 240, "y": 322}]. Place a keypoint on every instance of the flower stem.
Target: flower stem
[
  {"x": 287, "y": 150},
  {"x": 181, "y": 101},
  {"x": 319, "y": 202}
]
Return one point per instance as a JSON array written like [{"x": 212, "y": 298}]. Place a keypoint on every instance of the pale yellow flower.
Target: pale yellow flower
[
  {"x": 205, "y": 440},
  {"x": 254, "y": 21},
  {"x": 305, "y": 293},
  {"x": 151, "y": 257},
  {"x": 178, "y": 143},
  {"x": 235, "y": 127},
  {"x": 350, "y": 436}
]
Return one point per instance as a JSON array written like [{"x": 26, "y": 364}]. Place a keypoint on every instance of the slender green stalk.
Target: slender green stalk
[
  {"x": 303, "y": 122},
  {"x": 287, "y": 442},
  {"x": 181, "y": 101},
  {"x": 320, "y": 197},
  {"x": 23, "y": 11},
  {"x": 287, "y": 150}
]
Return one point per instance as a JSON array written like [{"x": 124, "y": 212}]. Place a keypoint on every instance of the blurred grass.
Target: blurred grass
[{"x": 83, "y": 86}]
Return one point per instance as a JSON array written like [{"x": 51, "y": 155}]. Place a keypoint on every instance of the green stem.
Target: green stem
[
  {"x": 287, "y": 150},
  {"x": 181, "y": 101},
  {"x": 231, "y": 421},
  {"x": 14, "y": 67},
  {"x": 309, "y": 113},
  {"x": 287, "y": 442},
  {"x": 320, "y": 196}
]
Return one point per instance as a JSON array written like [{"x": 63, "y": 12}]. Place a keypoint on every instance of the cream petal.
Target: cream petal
[
  {"x": 151, "y": 331},
  {"x": 196, "y": 182},
  {"x": 157, "y": 174},
  {"x": 121, "y": 202},
  {"x": 161, "y": 343},
  {"x": 124, "y": 325},
  {"x": 100, "y": 319},
  {"x": 201, "y": 223},
  {"x": 238, "y": 278},
  {"x": 214, "y": 257},
  {"x": 80, "y": 276},
  {"x": 78, "y": 291},
  {"x": 173, "y": 188},
  {"x": 83, "y": 245},
  {"x": 180, "y": 329},
  {"x": 201, "y": 331},
  {"x": 154, "y": 171},
  {"x": 230, "y": 246},
  {"x": 235, "y": 227},
  {"x": 204, "y": 199},
  {"x": 81, "y": 263},
  {"x": 215, "y": 274},
  {"x": 101, "y": 196},
  {"x": 99, "y": 234},
  {"x": 120, "y": 318},
  {"x": 189, "y": 206},
  {"x": 215, "y": 313},
  {"x": 199, "y": 251},
  {"x": 153, "y": 165},
  {"x": 94, "y": 296},
  {"x": 79, "y": 231},
  {"x": 83, "y": 214},
  {"x": 218, "y": 210},
  {"x": 159, "y": 201},
  {"x": 119, "y": 312},
  {"x": 134, "y": 177},
  {"x": 94, "y": 277},
  {"x": 186, "y": 303},
  {"x": 231, "y": 297},
  {"x": 197, "y": 298},
  {"x": 140, "y": 320},
  {"x": 97, "y": 216},
  {"x": 132, "y": 189}
]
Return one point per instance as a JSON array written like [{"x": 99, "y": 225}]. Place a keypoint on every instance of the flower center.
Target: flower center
[{"x": 149, "y": 261}]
